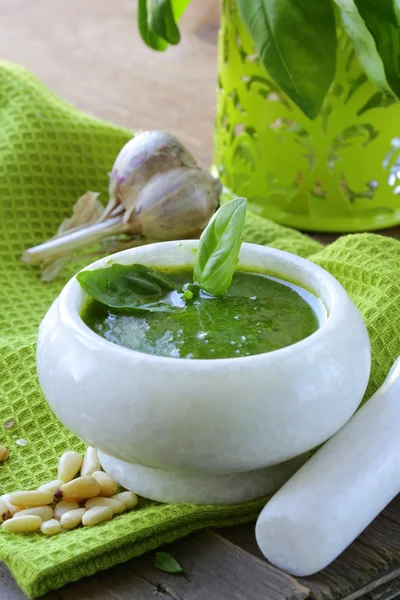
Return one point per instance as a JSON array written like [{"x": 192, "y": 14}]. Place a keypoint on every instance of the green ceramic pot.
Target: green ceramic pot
[{"x": 340, "y": 172}]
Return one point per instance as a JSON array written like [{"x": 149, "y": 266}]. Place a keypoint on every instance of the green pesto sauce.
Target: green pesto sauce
[{"x": 257, "y": 314}]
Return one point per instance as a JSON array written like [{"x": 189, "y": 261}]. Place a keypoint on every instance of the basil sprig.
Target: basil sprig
[
  {"x": 219, "y": 247},
  {"x": 134, "y": 287},
  {"x": 141, "y": 288}
]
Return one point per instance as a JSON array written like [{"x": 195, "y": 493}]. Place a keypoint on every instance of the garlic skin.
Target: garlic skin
[
  {"x": 175, "y": 204},
  {"x": 148, "y": 154}
]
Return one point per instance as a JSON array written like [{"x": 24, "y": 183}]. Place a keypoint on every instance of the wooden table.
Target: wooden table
[{"x": 89, "y": 52}]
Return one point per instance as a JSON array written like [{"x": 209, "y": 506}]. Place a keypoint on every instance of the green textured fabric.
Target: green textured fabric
[{"x": 49, "y": 155}]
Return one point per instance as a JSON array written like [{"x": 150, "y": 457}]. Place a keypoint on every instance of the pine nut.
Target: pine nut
[
  {"x": 34, "y": 498},
  {"x": 69, "y": 465},
  {"x": 4, "y": 514},
  {"x": 72, "y": 518},
  {"x": 3, "y": 454},
  {"x": 63, "y": 507},
  {"x": 23, "y": 525},
  {"x": 80, "y": 488},
  {"x": 51, "y": 527},
  {"x": 44, "y": 512},
  {"x": 128, "y": 498},
  {"x": 51, "y": 486},
  {"x": 90, "y": 462},
  {"x": 116, "y": 505},
  {"x": 10, "y": 507},
  {"x": 108, "y": 485},
  {"x": 96, "y": 515}
]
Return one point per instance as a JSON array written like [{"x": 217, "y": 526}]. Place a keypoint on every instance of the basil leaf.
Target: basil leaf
[
  {"x": 150, "y": 39},
  {"x": 157, "y": 26},
  {"x": 387, "y": 8},
  {"x": 162, "y": 21},
  {"x": 219, "y": 248},
  {"x": 151, "y": 276},
  {"x": 396, "y": 10},
  {"x": 364, "y": 44},
  {"x": 296, "y": 43},
  {"x": 381, "y": 19},
  {"x": 165, "y": 562},
  {"x": 125, "y": 286}
]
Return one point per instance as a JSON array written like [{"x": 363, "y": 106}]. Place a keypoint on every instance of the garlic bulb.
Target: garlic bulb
[
  {"x": 156, "y": 192},
  {"x": 149, "y": 153},
  {"x": 176, "y": 204}
]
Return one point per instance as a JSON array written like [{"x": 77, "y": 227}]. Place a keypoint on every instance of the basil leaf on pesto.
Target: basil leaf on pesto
[
  {"x": 127, "y": 286},
  {"x": 219, "y": 247}
]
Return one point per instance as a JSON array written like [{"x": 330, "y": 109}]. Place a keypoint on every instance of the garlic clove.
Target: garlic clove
[
  {"x": 147, "y": 154},
  {"x": 176, "y": 204}
]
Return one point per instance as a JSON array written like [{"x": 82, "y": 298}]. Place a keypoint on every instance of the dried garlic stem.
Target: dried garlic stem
[{"x": 75, "y": 240}]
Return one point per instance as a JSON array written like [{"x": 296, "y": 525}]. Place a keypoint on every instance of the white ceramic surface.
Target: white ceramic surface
[
  {"x": 341, "y": 489},
  {"x": 205, "y": 416},
  {"x": 195, "y": 488}
]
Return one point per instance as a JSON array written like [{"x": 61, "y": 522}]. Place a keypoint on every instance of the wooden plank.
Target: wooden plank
[
  {"x": 392, "y": 511},
  {"x": 244, "y": 537},
  {"x": 214, "y": 569},
  {"x": 91, "y": 54},
  {"x": 118, "y": 583},
  {"x": 388, "y": 591},
  {"x": 9, "y": 589},
  {"x": 370, "y": 589},
  {"x": 217, "y": 569},
  {"x": 358, "y": 566},
  {"x": 372, "y": 560}
]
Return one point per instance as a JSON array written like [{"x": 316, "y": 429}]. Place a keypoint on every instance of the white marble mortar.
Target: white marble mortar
[{"x": 202, "y": 418}]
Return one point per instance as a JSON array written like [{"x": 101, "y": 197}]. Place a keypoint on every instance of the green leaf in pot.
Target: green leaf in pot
[
  {"x": 219, "y": 247},
  {"x": 296, "y": 42},
  {"x": 364, "y": 44},
  {"x": 162, "y": 21},
  {"x": 127, "y": 286},
  {"x": 381, "y": 19},
  {"x": 157, "y": 22},
  {"x": 150, "y": 38}
]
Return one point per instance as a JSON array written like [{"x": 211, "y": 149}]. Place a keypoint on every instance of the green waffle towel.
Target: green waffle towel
[{"x": 49, "y": 155}]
